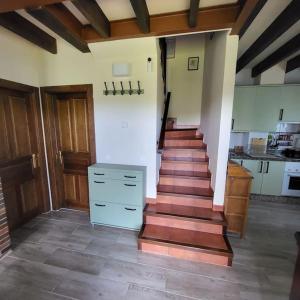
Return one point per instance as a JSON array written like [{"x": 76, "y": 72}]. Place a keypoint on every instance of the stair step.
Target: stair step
[
  {"x": 180, "y": 133},
  {"x": 184, "y": 168},
  {"x": 185, "y": 185},
  {"x": 185, "y": 217},
  {"x": 196, "y": 155},
  {"x": 182, "y": 199},
  {"x": 187, "y": 244},
  {"x": 184, "y": 143}
]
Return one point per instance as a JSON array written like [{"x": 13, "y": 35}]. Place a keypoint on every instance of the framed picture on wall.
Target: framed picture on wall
[{"x": 193, "y": 63}]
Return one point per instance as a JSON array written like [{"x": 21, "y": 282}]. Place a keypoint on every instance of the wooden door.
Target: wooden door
[
  {"x": 69, "y": 126},
  {"x": 22, "y": 168}
]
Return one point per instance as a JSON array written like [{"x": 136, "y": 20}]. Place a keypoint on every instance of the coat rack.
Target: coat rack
[{"x": 130, "y": 91}]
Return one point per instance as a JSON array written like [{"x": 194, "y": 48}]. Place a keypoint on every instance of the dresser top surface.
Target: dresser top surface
[{"x": 119, "y": 167}]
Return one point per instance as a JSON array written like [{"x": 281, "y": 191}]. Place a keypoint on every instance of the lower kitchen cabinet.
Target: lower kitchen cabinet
[
  {"x": 117, "y": 195},
  {"x": 267, "y": 176}
]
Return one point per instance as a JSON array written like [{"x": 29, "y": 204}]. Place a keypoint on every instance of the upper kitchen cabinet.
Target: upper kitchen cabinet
[
  {"x": 267, "y": 108},
  {"x": 290, "y": 103},
  {"x": 243, "y": 108}
]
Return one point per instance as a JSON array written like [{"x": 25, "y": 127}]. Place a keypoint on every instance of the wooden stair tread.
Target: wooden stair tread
[
  {"x": 186, "y": 196},
  {"x": 191, "y": 212},
  {"x": 205, "y": 163},
  {"x": 185, "y": 177},
  {"x": 187, "y": 238},
  {"x": 181, "y": 129}
]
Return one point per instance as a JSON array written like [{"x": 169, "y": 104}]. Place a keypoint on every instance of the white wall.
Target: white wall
[
  {"x": 19, "y": 59},
  {"x": 186, "y": 86},
  {"x": 216, "y": 112},
  {"x": 126, "y": 126}
]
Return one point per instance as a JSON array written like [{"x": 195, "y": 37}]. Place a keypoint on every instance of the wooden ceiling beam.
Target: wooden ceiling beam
[
  {"x": 212, "y": 18},
  {"x": 94, "y": 14},
  {"x": 244, "y": 15},
  {"x": 60, "y": 20},
  {"x": 258, "y": 7},
  {"x": 293, "y": 64},
  {"x": 22, "y": 27},
  {"x": 11, "y": 5},
  {"x": 142, "y": 14},
  {"x": 288, "y": 49},
  {"x": 289, "y": 16},
  {"x": 193, "y": 12}
]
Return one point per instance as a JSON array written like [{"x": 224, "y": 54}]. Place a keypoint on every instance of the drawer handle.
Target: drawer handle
[
  {"x": 99, "y": 181},
  {"x": 100, "y": 205},
  {"x": 126, "y": 176},
  {"x": 129, "y": 184},
  {"x": 131, "y": 209},
  {"x": 99, "y": 174}
]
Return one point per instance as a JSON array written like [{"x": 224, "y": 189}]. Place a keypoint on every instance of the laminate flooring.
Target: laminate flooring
[{"x": 59, "y": 255}]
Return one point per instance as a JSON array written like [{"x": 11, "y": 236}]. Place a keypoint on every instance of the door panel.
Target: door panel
[
  {"x": 19, "y": 133},
  {"x": 69, "y": 116},
  {"x": 256, "y": 168}
]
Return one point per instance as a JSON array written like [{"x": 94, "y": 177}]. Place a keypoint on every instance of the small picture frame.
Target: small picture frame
[{"x": 193, "y": 63}]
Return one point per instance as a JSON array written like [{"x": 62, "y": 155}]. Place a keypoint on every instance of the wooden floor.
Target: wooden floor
[{"x": 59, "y": 256}]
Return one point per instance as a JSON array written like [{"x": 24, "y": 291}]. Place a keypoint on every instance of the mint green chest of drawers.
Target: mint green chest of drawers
[{"x": 117, "y": 195}]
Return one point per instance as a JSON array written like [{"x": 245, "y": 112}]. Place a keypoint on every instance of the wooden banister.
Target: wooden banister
[{"x": 164, "y": 122}]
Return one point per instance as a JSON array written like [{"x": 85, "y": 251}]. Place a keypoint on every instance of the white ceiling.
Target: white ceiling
[{"x": 263, "y": 20}]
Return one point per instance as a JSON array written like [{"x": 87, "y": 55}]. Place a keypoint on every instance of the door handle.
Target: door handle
[
  {"x": 280, "y": 114},
  {"x": 126, "y": 176},
  {"x": 131, "y": 209},
  {"x": 60, "y": 157},
  {"x": 129, "y": 184},
  {"x": 100, "y": 205},
  {"x": 99, "y": 181},
  {"x": 232, "y": 124},
  {"x": 261, "y": 163},
  {"x": 102, "y": 174},
  {"x": 34, "y": 161},
  {"x": 267, "y": 167}
]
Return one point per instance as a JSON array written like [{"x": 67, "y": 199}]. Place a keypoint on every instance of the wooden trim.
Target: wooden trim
[
  {"x": 142, "y": 14},
  {"x": 7, "y": 84},
  {"x": 288, "y": 17},
  {"x": 211, "y": 18},
  {"x": 289, "y": 48},
  {"x": 11, "y": 5},
  {"x": 27, "y": 30},
  {"x": 293, "y": 64},
  {"x": 244, "y": 15}
]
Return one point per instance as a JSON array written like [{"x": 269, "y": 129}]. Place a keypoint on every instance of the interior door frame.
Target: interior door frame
[
  {"x": 33, "y": 94},
  {"x": 46, "y": 92}
]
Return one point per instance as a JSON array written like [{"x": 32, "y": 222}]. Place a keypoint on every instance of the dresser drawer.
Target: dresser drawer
[
  {"x": 119, "y": 215},
  {"x": 98, "y": 173},
  {"x": 116, "y": 191}
]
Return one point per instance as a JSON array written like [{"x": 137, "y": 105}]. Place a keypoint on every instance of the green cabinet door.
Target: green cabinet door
[
  {"x": 243, "y": 108},
  {"x": 290, "y": 103},
  {"x": 255, "y": 167},
  {"x": 267, "y": 108},
  {"x": 273, "y": 172}
]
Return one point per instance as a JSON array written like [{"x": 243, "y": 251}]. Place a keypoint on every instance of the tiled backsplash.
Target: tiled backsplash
[{"x": 4, "y": 232}]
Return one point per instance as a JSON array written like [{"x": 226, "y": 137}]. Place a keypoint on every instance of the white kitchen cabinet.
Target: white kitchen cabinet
[
  {"x": 290, "y": 103},
  {"x": 267, "y": 176}
]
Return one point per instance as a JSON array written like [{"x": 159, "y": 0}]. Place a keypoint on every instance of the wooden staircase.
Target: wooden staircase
[{"x": 182, "y": 223}]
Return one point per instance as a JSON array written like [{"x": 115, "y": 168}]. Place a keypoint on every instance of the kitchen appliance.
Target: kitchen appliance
[
  {"x": 291, "y": 179},
  {"x": 288, "y": 127},
  {"x": 291, "y": 153}
]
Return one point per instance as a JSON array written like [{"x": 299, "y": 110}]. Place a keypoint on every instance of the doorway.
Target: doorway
[
  {"x": 22, "y": 156},
  {"x": 70, "y": 141}
]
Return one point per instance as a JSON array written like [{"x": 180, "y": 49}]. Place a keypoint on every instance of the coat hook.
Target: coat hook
[
  {"x": 130, "y": 89},
  {"x": 122, "y": 89},
  {"x": 106, "y": 90},
  {"x": 114, "y": 91},
  {"x": 139, "y": 89}
]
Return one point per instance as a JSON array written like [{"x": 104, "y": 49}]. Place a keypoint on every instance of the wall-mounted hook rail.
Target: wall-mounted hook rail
[{"x": 123, "y": 91}]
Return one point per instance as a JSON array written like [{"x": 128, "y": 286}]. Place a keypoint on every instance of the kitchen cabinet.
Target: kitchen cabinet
[
  {"x": 290, "y": 103},
  {"x": 260, "y": 108},
  {"x": 267, "y": 176},
  {"x": 243, "y": 108}
]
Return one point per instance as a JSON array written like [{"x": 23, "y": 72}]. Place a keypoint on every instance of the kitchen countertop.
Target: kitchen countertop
[{"x": 270, "y": 157}]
